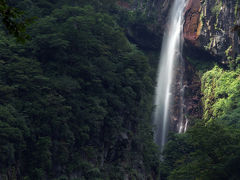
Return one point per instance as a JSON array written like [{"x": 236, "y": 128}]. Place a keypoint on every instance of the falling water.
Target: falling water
[
  {"x": 170, "y": 54},
  {"x": 182, "y": 120}
]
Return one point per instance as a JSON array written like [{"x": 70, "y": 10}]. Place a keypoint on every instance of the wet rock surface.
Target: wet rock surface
[{"x": 187, "y": 97}]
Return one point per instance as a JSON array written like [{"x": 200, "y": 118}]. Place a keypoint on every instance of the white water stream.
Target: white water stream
[{"x": 170, "y": 53}]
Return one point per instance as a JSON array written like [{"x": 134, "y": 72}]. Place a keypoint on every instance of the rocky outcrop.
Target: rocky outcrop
[
  {"x": 143, "y": 37},
  {"x": 192, "y": 25},
  {"x": 156, "y": 9},
  {"x": 209, "y": 25},
  {"x": 145, "y": 34}
]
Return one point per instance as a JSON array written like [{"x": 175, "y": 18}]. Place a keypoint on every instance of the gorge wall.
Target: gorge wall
[
  {"x": 209, "y": 36},
  {"x": 209, "y": 24}
]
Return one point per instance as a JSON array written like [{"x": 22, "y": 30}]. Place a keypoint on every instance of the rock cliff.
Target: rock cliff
[
  {"x": 192, "y": 26},
  {"x": 209, "y": 36},
  {"x": 209, "y": 24}
]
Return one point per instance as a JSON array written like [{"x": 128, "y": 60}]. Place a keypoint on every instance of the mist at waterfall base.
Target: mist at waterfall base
[{"x": 171, "y": 55}]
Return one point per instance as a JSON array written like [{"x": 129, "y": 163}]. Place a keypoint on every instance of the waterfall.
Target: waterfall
[{"x": 171, "y": 53}]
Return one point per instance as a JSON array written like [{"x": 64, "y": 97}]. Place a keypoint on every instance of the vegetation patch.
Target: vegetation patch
[{"x": 221, "y": 93}]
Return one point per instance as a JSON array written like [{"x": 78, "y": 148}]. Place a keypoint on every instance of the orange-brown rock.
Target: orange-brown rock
[
  {"x": 192, "y": 26},
  {"x": 123, "y": 4}
]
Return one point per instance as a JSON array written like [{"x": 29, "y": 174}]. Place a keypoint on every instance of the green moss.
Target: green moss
[
  {"x": 236, "y": 8},
  {"x": 228, "y": 50},
  {"x": 216, "y": 11},
  {"x": 208, "y": 47},
  {"x": 217, "y": 8},
  {"x": 201, "y": 16}
]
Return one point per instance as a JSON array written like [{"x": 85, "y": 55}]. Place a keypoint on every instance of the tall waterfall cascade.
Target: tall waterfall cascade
[{"x": 170, "y": 60}]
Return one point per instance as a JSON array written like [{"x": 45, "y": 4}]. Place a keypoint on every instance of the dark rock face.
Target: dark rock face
[
  {"x": 187, "y": 96},
  {"x": 209, "y": 25},
  {"x": 192, "y": 93},
  {"x": 147, "y": 36},
  {"x": 158, "y": 9},
  {"x": 143, "y": 37},
  {"x": 161, "y": 7}
]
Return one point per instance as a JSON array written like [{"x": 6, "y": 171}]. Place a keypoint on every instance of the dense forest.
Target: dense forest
[
  {"x": 76, "y": 100},
  {"x": 76, "y": 97}
]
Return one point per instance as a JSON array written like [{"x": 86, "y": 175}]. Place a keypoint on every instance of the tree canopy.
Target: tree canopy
[{"x": 75, "y": 98}]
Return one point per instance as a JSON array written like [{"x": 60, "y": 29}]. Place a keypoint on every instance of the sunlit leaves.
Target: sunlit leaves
[{"x": 221, "y": 92}]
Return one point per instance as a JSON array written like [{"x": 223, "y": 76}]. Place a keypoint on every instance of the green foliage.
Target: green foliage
[
  {"x": 14, "y": 21},
  {"x": 231, "y": 119},
  {"x": 234, "y": 64},
  {"x": 200, "y": 65},
  {"x": 75, "y": 100},
  {"x": 210, "y": 148},
  {"x": 217, "y": 8},
  {"x": 221, "y": 92},
  {"x": 205, "y": 152}
]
